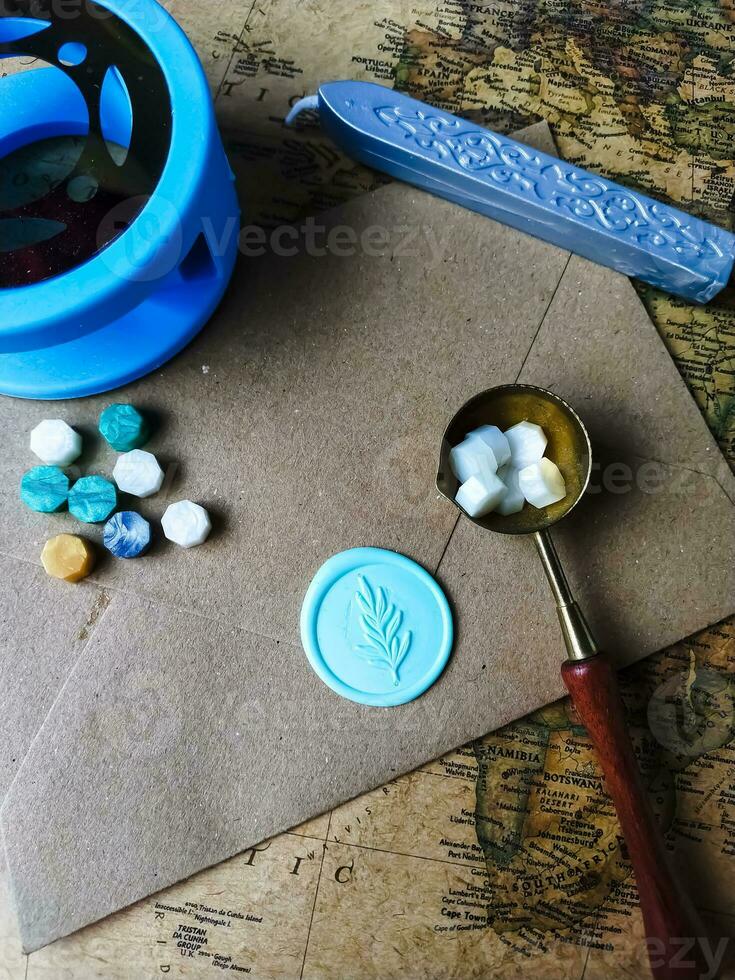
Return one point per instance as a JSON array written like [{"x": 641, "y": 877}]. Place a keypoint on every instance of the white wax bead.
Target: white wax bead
[
  {"x": 186, "y": 524},
  {"x": 138, "y": 473},
  {"x": 542, "y": 483},
  {"x": 56, "y": 443},
  {"x": 514, "y": 501},
  {"x": 470, "y": 457},
  {"x": 494, "y": 438},
  {"x": 527, "y": 444},
  {"x": 480, "y": 495}
]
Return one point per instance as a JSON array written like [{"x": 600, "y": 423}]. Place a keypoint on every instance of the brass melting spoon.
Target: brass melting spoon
[{"x": 671, "y": 921}]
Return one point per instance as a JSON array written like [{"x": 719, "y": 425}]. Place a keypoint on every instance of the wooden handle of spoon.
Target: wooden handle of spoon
[{"x": 672, "y": 926}]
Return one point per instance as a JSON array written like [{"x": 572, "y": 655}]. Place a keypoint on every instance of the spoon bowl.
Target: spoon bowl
[{"x": 569, "y": 447}]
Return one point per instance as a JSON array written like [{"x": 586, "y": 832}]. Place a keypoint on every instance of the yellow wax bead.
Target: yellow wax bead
[{"x": 68, "y": 557}]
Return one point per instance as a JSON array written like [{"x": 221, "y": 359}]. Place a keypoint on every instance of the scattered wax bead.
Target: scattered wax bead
[
  {"x": 138, "y": 473},
  {"x": 44, "y": 489},
  {"x": 92, "y": 499},
  {"x": 124, "y": 427},
  {"x": 186, "y": 524},
  {"x": 127, "y": 535},
  {"x": 68, "y": 557},
  {"x": 56, "y": 443}
]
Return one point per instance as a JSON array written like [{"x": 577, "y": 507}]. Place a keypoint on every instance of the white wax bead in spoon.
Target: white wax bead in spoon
[
  {"x": 480, "y": 495},
  {"x": 542, "y": 483},
  {"x": 513, "y": 502},
  {"x": 527, "y": 444},
  {"x": 470, "y": 457},
  {"x": 492, "y": 437}
]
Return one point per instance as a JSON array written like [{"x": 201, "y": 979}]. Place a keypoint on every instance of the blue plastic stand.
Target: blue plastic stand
[
  {"x": 133, "y": 305},
  {"x": 376, "y": 627}
]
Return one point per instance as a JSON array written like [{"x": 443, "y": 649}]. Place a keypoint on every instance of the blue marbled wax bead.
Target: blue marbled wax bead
[
  {"x": 127, "y": 535},
  {"x": 92, "y": 499},
  {"x": 44, "y": 489}
]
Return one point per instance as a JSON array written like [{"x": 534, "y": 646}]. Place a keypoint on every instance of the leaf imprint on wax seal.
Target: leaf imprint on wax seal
[{"x": 380, "y": 622}]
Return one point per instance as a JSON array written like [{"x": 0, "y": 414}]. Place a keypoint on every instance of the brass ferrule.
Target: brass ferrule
[{"x": 580, "y": 643}]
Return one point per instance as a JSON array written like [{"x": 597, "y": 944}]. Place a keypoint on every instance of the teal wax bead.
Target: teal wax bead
[
  {"x": 92, "y": 499},
  {"x": 44, "y": 489},
  {"x": 124, "y": 427}
]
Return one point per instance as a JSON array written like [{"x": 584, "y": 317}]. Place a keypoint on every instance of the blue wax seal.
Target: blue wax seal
[
  {"x": 376, "y": 627},
  {"x": 127, "y": 535}
]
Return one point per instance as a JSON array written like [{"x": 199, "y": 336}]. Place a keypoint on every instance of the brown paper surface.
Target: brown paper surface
[{"x": 308, "y": 418}]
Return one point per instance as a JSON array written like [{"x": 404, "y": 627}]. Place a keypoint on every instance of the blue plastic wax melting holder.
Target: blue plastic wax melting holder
[
  {"x": 376, "y": 627},
  {"x": 522, "y": 187},
  {"x": 112, "y": 267}
]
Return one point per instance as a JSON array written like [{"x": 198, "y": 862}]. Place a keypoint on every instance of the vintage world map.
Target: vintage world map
[{"x": 503, "y": 859}]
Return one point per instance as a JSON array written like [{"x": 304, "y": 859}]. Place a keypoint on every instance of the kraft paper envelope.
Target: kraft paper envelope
[{"x": 308, "y": 418}]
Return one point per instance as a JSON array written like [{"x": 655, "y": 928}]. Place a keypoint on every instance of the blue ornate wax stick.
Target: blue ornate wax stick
[{"x": 525, "y": 188}]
